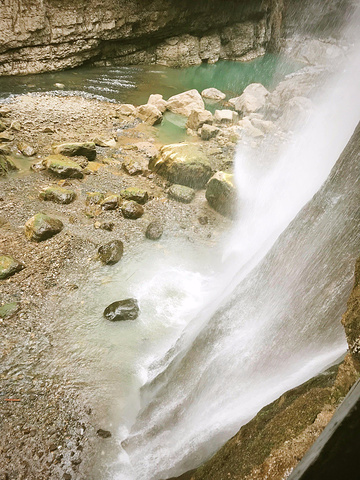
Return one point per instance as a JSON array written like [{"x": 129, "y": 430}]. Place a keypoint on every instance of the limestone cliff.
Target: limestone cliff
[{"x": 49, "y": 35}]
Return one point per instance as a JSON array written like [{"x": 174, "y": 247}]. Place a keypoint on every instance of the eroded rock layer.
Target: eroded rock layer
[{"x": 38, "y": 36}]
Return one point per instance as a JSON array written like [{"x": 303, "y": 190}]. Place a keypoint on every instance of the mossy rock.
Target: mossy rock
[
  {"x": 6, "y": 165},
  {"x": 63, "y": 167},
  {"x": 136, "y": 194},
  {"x": 184, "y": 164},
  {"x": 9, "y": 309},
  {"x": 85, "y": 149},
  {"x": 58, "y": 195},
  {"x": 221, "y": 194},
  {"x": 9, "y": 266},
  {"x": 94, "y": 198},
  {"x": 41, "y": 227},
  {"x": 180, "y": 193}
]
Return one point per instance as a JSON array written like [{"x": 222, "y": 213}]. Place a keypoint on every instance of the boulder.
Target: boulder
[
  {"x": 213, "y": 94},
  {"x": 132, "y": 210},
  {"x": 26, "y": 150},
  {"x": 208, "y": 132},
  {"x": 127, "y": 109},
  {"x": 252, "y": 99},
  {"x": 86, "y": 149},
  {"x": 149, "y": 114},
  {"x": 158, "y": 101},
  {"x": 94, "y": 198},
  {"x": 198, "y": 118},
  {"x": 123, "y": 310},
  {"x": 226, "y": 117},
  {"x": 6, "y": 165},
  {"x": 184, "y": 164},
  {"x": 136, "y": 194},
  {"x": 221, "y": 194},
  {"x": 41, "y": 227},
  {"x": 58, "y": 195},
  {"x": 154, "y": 230},
  {"x": 184, "y": 103},
  {"x": 111, "y": 252},
  {"x": 9, "y": 266},
  {"x": 110, "y": 203},
  {"x": 181, "y": 193},
  {"x": 63, "y": 167}
]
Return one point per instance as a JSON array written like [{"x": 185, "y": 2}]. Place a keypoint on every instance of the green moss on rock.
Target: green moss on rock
[{"x": 63, "y": 167}]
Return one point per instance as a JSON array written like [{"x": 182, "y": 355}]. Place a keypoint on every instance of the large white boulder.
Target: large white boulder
[
  {"x": 158, "y": 101},
  {"x": 184, "y": 103},
  {"x": 252, "y": 99},
  {"x": 226, "y": 117},
  {"x": 149, "y": 114},
  {"x": 197, "y": 118},
  {"x": 213, "y": 94}
]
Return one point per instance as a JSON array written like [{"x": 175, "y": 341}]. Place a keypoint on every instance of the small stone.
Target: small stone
[
  {"x": 41, "y": 227},
  {"x": 103, "y": 433},
  {"x": 26, "y": 150},
  {"x": 67, "y": 476},
  {"x": 203, "y": 220},
  {"x": 108, "y": 226},
  {"x": 132, "y": 210},
  {"x": 227, "y": 117},
  {"x": 132, "y": 167},
  {"x": 59, "y": 85},
  {"x": 63, "y": 166},
  {"x": 181, "y": 193},
  {"x": 213, "y": 94},
  {"x": 15, "y": 125},
  {"x": 52, "y": 447},
  {"x": 9, "y": 266},
  {"x": 111, "y": 252},
  {"x": 48, "y": 130},
  {"x": 94, "y": 198},
  {"x": 38, "y": 166},
  {"x": 127, "y": 109},
  {"x": 136, "y": 194},
  {"x": 123, "y": 310},
  {"x": 154, "y": 230},
  {"x": 9, "y": 309},
  {"x": 86, "y": 149},
  {"x": 58, "y": 195},
  {"x": 110, "y": 203}
]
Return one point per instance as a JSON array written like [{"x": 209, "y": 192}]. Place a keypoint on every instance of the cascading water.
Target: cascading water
[{"x": 270, "y": 318}]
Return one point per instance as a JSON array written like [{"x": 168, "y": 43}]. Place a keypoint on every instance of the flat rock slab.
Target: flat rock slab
[
  {"x": 58, "y": 195},
  {"x": 85, "y": 149},
  {"x": 63, "y": 167},
  {"x": 9, "y": 266},
  {"x": 180, "y": 193},
  {"x": 41, "y": 227},
  {"x": 123, "y": 310}
]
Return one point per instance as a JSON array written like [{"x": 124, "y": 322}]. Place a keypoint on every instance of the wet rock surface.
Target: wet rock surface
[
  {"x": 122, "y": 310},
  {"x": 154, "y": 230},
  {"x": 221, "y": 193},
  {"x": 111, "y": 252}
]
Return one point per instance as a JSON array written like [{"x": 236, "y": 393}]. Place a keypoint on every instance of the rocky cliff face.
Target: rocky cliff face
[{"x": 49, "y": 35}]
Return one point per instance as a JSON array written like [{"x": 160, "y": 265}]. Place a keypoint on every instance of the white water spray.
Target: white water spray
[{"x": 271, "y": 319}]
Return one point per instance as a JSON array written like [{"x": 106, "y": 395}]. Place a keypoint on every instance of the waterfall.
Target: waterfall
[{"x": 270, "y": 317}]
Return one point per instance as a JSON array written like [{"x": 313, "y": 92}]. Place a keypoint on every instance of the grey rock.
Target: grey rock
[
  {"x": 123, "y": 310},
  {"x": 111, "y": 252}
]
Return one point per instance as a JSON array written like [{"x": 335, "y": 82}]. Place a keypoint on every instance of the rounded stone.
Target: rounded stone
[
  {"x": 132, "y": 210},
  {"x": 154, "y": 230},
  {"x": 41, "y": 227},
  {"x": 127, "y": 309},
  {"x": 181, "y": 193},
  {"x": 9, "y": 266},
  {"x": 111, "y": 252}
]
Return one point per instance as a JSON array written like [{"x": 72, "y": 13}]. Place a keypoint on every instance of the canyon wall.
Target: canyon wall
[{"x": 49, "y": 35}]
